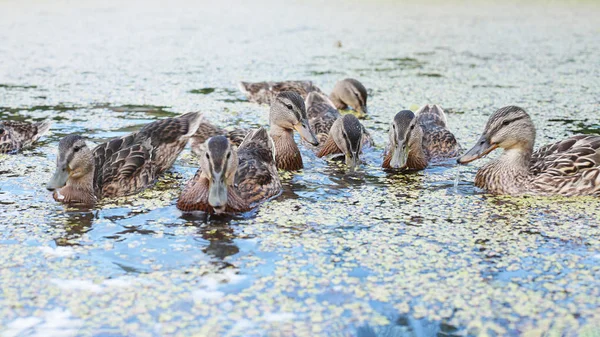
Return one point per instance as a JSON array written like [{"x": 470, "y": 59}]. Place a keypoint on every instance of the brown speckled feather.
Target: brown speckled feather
[
  {"x": 265, "y": 92},
  {"x": 321, "y": 117},
  {"x": 568, "y": 156},
  {"x": 129, "y": 171},
  {"x": 257, "y": 178},
  {"x": 207, "y": 130},
  {"x": 569, "y": 167},
  {"x": 16, "y": 135},
  {"x": 168, "y": 138},
  {"x": 131, "y": 163},
  {"x": 438, "y": 141}
]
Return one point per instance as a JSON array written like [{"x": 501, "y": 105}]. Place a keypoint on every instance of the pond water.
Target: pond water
[{"x": 363, "y": 254}]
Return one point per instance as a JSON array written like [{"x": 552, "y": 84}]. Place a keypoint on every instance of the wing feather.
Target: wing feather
[
  {"x": 128, "y": 171},
  {"x": 568, "y": 167}
]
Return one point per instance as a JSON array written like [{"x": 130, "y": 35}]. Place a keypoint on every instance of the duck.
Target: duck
[
  {"x": 265, "y": 92},
  {"x": 416, "y": 140},
  {"x": 122, "y": 166},
  {"x": 15, "y": 135},
  {"x": 233, "y": 180},
  {"x": 570, "y": 167},
  {"x": 337, "y": 134},
  {"x": 346, "y": 93},
  {"x": 286, "y": 114}
]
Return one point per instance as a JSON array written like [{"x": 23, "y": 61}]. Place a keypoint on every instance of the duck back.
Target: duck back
[
  {"x": 438, "y": 141},
  {"x": 257, "y": 178}
]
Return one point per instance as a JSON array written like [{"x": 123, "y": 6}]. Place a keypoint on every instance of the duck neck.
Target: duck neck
[
  {"x": 195, "y": 198},
  {"x": 287, "y": 154},
  {"x": 417, "y": 158},
  {"x": 335, "y": 99},
  {"x": 508, "y": 174},
  {"x": 78, "y": 190}
]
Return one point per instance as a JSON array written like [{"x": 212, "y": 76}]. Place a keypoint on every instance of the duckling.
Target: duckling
[
  {"x": 416, "y": 141},
  {"x": 336, "y": 133},
  {"x": 350, "y": 93},
  {"x": 230, "y": 180},
  {"x": 346, "y": 93},
  {"x": 17, "y": 135},
  {"x": 345, "y": 136},
  {"x": 265, "y": 92},
  {"x": 570, "y": 167},
  {"x": 121, "y": 166},
  {"x": 287, "y": 113}
]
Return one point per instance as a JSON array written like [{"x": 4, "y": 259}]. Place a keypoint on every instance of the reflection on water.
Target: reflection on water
[
  {"x": 75, "y": 224},
  {"x": 221, "y": 240},
  {"x": 405, "y": 326}
]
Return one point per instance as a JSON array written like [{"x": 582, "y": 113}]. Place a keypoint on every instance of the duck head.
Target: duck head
[
  {"x": 289, "y": 112},
  {"x": 347, "y": 133},
  {"x": 75, "y": 160},
  {"x": 509, "y": 128},
  {"x": 350, "y": 92},
  {"x": 219, "y": 164},
  {"x": 405, "y": 133}
]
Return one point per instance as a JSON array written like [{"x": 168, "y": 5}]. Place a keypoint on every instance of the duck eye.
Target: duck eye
[
  {"x": 412, "y": 126},
  {"x": 505, "y": 123},
  {"x": 228, "y": 155},
  {"x": 289, "y": 106},
  {"x": 207, "y": 156},
  {"x": 394, "y": 126},
  {"x": 76, "y": 149}
]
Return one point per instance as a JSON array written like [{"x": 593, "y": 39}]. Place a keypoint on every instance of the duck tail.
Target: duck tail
[
  {"x": 432, "y": 113},
  {"x": 423, "y": 110},
  {"x": 437, "y": 110},
  {"x": 253, "y": 88},
  {"x": 43, "y": 127},
  {"x": 244, "y": 87},
  {"x": 194, "y": 119}
]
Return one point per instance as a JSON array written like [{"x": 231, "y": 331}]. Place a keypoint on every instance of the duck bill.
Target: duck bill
[
  {"x": 306, "y": 133},
  {"x": 59, "y": 179},
  {"x": 352, "y": 160},
  {"x": 363, "y": 112},
  {"x": 217, "y": 192},
  {"x": 482, "y": 148},
  {"x": 399, "y": 156}
]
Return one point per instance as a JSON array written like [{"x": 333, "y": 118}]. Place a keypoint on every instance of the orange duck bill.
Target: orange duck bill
[{"x": 482, "y": 148}]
